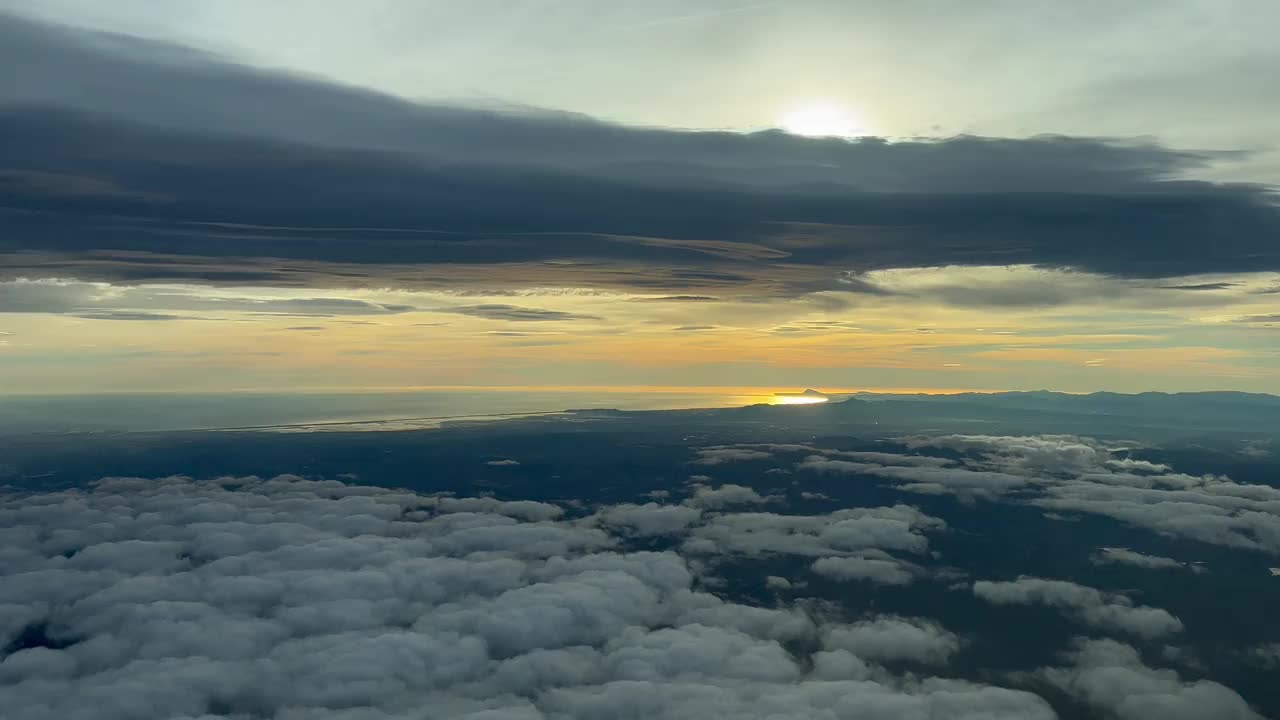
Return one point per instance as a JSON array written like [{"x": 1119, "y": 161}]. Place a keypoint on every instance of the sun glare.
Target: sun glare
[
  {"x": 822, "y": 120},
  {"x": 797, "y": 400}
]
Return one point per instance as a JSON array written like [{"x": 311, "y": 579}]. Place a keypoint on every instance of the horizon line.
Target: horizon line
[{"x": 728, "y": 390}]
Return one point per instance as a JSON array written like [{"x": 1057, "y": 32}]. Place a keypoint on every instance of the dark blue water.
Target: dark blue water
[{"x": 148, "y": 412}]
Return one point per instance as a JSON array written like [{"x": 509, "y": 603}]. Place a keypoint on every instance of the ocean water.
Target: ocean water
[{"x": 121, "y": 412}]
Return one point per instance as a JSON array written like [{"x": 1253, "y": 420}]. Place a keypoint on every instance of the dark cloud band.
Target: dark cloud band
[{"x": 129, "y": 160}]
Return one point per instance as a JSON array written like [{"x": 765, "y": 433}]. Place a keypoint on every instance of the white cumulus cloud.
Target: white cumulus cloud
[
  {"x": 1090, "y": 605},
  {"x": 287, "y": 598}
]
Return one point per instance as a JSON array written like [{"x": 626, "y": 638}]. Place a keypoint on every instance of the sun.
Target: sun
[{"x": 823, "y": 119}]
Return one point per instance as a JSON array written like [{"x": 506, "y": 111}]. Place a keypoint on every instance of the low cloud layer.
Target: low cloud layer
[
  {"x": 895, "y": 639},
  {"x": 1066, "y": 473},
  {"x": 1122, "y": 556},
  {"x": 843, "y": 533},
  {"x": 650, "y": 519},
  {"x": 879, "y": 570},
  {"x": 293, "y": 598},
  {"x": 1102, "y": 610},
  {"x": 1111, "y": 676},
  {"x": 718, "y": 498},
  {"x": 925, "y": 478}
]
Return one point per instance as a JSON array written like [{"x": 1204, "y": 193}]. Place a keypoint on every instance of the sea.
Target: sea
[{"x": 146, "y": 412}]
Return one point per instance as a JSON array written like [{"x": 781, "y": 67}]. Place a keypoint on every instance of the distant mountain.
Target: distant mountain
[
  {"x": 1036, "y": 398},
  {"x": 1151, "y": 415},
  {"x": 807, "y": 393}
]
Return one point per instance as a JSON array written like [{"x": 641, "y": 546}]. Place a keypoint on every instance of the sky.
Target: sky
[{"x": 932, "y": 195}]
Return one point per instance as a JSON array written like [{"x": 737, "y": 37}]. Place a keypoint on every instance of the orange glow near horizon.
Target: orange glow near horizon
[
  {"x": 753, "y": 391},
  {"x": 600, "y": 343}
]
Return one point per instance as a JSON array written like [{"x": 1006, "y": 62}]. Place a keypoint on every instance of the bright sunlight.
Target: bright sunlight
[{"x": 823, "y": 119}]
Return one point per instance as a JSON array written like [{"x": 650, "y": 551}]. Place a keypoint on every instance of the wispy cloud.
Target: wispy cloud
[{"x": 514, "y": 313}]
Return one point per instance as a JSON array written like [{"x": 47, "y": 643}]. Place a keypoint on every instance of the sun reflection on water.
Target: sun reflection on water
[{"x": 797, "y": 400}]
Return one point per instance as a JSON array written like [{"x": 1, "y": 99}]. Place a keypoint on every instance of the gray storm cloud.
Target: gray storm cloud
[{"x": 116, "y": 142}]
